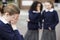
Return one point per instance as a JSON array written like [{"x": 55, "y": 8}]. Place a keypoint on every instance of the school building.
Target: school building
[{"x": 24, "y": 4}]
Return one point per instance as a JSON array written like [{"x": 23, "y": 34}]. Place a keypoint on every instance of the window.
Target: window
[{"x": 26, "y": 2}]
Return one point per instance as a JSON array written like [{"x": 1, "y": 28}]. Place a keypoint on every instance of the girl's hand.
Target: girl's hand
[
  {"x": 28, "y": 20},
  {"x": 49, "y": 28},
  {"x": 13, "y": 23}
]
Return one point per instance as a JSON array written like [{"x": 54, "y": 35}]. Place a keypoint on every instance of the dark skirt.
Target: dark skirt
[
  {"x": 32, "y": 35},
  {"x": 48, "y": 35}
]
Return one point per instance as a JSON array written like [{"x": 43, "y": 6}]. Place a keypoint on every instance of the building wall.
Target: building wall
[{"x": 20, "y": 2}]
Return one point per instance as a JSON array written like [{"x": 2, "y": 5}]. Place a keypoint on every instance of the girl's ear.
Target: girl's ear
[{"x": 7, "y": 14}]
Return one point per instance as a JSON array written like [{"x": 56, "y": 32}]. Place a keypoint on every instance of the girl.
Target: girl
[
  {"x": 8, "y": 31},
  {"x": 51, "y": 19},
  {"x": 34, "y": 15}
]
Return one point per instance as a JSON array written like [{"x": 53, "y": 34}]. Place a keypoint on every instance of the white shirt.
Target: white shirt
[
  {"x": 51, "y": 10},
  {"x": 5, "y": 22}
]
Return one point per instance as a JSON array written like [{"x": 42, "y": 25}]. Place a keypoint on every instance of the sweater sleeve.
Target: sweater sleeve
[
  {"x": 10, "y": 34},
  {"x": 43, "y": 14},
  {"x": 42, "y": 17},
  {"x": 56, "y": 20},
  {"x": 18, "y": 36},
  {"x": 40, "y": 22},
  {"x": 5, "y": 34}
]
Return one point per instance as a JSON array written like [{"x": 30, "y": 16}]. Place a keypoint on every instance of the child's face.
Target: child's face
[
  {"x": 13, "y": 18},
  {"x": 38, "y": 6},
  {"x": 48, "y": 5}
]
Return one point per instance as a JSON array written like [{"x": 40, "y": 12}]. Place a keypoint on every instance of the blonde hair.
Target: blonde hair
[
  {"x": 11, "y": 9},
  {"x": 51, "y": 3}
]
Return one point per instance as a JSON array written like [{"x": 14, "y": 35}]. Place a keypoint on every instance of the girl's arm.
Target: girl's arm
[{"x": 56, "y": 19}]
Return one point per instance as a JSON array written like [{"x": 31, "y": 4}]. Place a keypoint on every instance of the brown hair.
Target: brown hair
[
  {"x": 11, "y": 9},
  {"x": 51, "y": 3},
  {"x": 1, "y": 8},
  {"x": 34, "y": 5}
]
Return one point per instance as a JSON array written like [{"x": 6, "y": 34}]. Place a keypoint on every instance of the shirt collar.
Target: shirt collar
[
  {"x": 51, "y": 10},
  {"x": 3, "y": 20}
]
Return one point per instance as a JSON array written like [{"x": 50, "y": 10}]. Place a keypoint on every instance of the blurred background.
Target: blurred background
[{"x": 24, "y": 6}]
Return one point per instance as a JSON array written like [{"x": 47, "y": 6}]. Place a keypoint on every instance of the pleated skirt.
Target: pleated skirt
[
  {"x": 32, "y": 35},
  {"x": 48, "y": 35}
]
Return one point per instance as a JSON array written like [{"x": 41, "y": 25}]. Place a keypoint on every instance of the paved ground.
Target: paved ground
[{"x": 22, "y": 24}]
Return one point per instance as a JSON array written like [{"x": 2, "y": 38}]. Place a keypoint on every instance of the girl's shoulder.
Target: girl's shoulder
[
  {"x": 43, "y": 11},
  {"x": 52, "y": 10}
]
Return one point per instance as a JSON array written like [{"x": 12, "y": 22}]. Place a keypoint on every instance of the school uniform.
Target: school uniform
[
  {"x": 33, "y": 33},
  {"x": 7, "y": 32},
  {"x": 51, "y": 19}
]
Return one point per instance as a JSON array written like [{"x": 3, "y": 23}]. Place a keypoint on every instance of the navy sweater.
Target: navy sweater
[
  {"x": 34, "y": 19},
  {"x": 50, "y": 19},
  {"x": 7, "y": 33}
]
